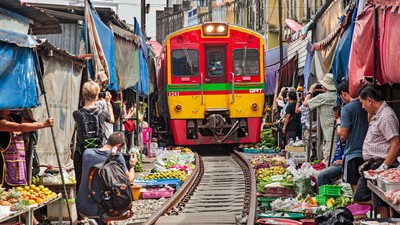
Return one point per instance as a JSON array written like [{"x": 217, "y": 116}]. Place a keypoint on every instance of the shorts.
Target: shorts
[{"x": 350, "y": 170}]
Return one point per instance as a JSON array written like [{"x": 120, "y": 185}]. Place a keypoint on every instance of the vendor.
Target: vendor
[
  {"x": 335, "y": 171},
  {"x": 11, "y": 141},
  {"x": 12, "y": 149},
  {"x": 381, "y": 144}
]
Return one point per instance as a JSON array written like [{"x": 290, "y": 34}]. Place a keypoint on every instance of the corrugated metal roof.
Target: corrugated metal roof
[
  {"x": 70, "y": 14},
  {"x": 42, "y": 23},
  {"x": 21, "y": 40},
  {"x": 70, "y": 39},
  {"x": 46, "y": 47}
]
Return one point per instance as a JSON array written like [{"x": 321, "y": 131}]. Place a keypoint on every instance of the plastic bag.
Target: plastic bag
[{"x": 339, "y": 216}]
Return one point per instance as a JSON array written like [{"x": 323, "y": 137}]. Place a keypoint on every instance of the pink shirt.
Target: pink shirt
[{"x": 383, "y": 127}]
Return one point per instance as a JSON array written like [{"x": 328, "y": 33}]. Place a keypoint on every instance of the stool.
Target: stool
[{"x": 147, "y": 141}]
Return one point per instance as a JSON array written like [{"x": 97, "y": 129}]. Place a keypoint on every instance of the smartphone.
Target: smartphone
[
  {"x": 319, "y": 86},
  {"x": 299, "y": 95},
  {"x": 102, "y": 95}
]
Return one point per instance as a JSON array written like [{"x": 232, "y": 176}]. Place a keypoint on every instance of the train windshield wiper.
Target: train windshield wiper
[
  {"x": 188, "y": 59},
  {"x": 244, "y": 58}
]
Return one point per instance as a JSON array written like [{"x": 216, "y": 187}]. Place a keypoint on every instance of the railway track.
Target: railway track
[{"x": 221, "y": 190}]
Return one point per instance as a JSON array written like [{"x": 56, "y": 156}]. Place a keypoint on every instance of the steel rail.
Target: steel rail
[
  {"x": 180, "y": 194},
  {"x": 250, "y": 189}
]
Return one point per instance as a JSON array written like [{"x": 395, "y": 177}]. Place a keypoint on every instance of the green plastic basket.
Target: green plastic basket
[
  {"x": 321, "y": 199},
  {"x": 286, "y": 215},
  {"x": 265, "y": 202},
  {"x": 330, "y": 190}
]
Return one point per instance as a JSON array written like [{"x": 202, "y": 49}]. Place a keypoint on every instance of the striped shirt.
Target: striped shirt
[{"x": 384, "y": 126}]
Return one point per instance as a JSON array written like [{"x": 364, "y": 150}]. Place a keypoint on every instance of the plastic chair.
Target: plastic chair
[{"x": 147, "y": 134}]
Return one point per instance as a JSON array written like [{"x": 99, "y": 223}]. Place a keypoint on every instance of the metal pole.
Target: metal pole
[
  {"x": 40, "y": 75},
  {"x": 280, "y": 33},
  {"x": 375, "y": 47},
  {"x": 143, "y": 17}
]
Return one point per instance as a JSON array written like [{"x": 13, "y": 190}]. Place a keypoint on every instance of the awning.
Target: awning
[{"x": 17, "y": 69}]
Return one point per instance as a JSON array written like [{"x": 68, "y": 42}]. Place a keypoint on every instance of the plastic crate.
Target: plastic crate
[
  {"x": 265, "y": 202},
  {"x": 157, "y": 193},
  {"x": 321, "y": 199},
  {"x": 172, "y": 182},
  {"x": 279, "y": 192},
  {"x": 251, "y": 150},
  {"x": 330, "y": 190}
]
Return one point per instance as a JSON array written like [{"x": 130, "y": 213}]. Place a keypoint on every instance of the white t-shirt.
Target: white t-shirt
[{"x": 102, "y": 104}]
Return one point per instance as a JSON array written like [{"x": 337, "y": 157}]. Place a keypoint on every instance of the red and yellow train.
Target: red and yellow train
[{"x": 210, "y": 84}]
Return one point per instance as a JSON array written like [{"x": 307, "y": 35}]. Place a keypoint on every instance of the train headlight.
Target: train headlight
[
  {"x": 215, "y": 29},
  {"x": 178, "y": 108},
  {"x": 221, "y": 29},
  {"x": 209, "y": 28},
  {"x": 254, "y": 106}
]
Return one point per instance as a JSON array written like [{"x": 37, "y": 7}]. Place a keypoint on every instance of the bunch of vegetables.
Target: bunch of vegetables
[
  {"x": 285, "y": 180},
  {"x": 267, "y": 172},
  {"x": 267, "y": 140}
]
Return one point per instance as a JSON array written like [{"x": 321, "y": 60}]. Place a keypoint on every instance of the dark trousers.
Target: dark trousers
[{"x": 78, "y": 174}]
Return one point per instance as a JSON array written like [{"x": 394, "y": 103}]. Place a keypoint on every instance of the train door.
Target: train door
[{"x": 215, "y": 64}]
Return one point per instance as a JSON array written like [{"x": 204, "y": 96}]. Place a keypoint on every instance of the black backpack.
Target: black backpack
[
  {"x": 92, "y": 131},
  {"x": 115, "y": 198}
]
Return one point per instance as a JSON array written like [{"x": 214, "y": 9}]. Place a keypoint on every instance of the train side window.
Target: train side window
[
  {"x": 185, "y": 62},
  {"x": 246, "y": 62}
]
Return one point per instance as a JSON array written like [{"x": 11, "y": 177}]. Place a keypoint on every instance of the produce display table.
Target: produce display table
[
  {"x": 29, "y": 212},
  {"x": 375, "y": 189}
]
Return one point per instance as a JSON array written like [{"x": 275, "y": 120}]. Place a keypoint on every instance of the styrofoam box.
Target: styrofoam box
[
  {"x": 52, "y": 210},
  {"x": 297, "y": 156},
  {"x": 390, "y": 186},
  {"x": 381, "y": 183}
]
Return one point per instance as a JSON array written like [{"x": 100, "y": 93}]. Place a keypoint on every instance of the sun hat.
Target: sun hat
[{"x": 328, "y": 82}]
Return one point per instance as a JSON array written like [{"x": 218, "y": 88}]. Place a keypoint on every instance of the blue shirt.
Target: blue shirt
[
  {"x": 354, "y": 117},
  {"x": 86, "y": 205}
]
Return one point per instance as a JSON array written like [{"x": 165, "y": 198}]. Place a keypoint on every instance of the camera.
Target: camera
[
  {"x": 102, "y": 95},
  {"x": 318, "y": 86}
]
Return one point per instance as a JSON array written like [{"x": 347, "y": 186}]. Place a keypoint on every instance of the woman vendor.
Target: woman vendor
[{"x": 12, "y": 147}]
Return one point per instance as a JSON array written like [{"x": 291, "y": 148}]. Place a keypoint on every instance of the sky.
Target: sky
[{"x": 126, "y": 10}]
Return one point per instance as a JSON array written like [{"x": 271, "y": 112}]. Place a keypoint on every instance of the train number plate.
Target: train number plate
[{"x": 173, "y": 93}]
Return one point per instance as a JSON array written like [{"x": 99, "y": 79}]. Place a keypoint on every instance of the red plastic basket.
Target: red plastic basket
[{"x": 279, "y": 192}]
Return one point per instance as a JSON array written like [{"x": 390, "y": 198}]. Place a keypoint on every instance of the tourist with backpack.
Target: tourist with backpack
[
  {"x": 103, "y": 196},
  {"x": 90, "y": 121}
]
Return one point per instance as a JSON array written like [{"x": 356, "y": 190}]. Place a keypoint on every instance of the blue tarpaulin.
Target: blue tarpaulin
[
  {"x": 106, "y": 37},
  {"x": 143, "y": 85},
  {"x": 17, "y": 71},
  {"x": 341, "y": 60},
  {"x": 272, "y": 58},
  {"x": 307, "y": 65}
]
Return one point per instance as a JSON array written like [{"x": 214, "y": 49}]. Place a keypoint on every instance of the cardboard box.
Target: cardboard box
[{"x": 289, "y": 148}]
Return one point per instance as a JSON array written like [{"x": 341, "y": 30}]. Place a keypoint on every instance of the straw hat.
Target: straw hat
[{"x": 328, "y": 82}]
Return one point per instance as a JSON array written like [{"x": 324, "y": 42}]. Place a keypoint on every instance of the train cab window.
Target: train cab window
[
  {"x": 216, "y": 63},
  {"x": 246, "y": 62},
  {"x": 185, "y": 62}
]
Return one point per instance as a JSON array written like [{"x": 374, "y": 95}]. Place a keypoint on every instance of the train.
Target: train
[{"x": 210, "y": 84}]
